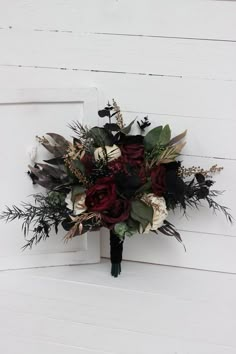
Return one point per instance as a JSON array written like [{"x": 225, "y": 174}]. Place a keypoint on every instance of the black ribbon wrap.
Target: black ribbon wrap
[{"x": 116, "y": 250}]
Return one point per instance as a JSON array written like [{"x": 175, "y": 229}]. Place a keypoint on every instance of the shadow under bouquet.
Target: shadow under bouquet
[{"x": 107, "y": 177}]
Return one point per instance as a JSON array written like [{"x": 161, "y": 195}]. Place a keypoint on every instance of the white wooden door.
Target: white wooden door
[
  {"x": 23, "y": 115},
  {"x": 209, "y": 239}
]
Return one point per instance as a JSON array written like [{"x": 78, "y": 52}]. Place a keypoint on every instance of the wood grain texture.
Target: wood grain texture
[
  {"x": 63, "y": 309},
  {"x": 137, "y": 56},
  {"x": 165, "y": 96},
  {"x": 199, "y": 19}
]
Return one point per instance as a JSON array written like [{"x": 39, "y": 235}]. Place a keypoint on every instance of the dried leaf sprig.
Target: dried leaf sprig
[
  {"x": 119, "y": 117},
  {"x": 75, "y": 151},
  {"x": 189, "y": 171},
  {"x": 75, "y": 171},
  {"x": 77, "y": 228}
]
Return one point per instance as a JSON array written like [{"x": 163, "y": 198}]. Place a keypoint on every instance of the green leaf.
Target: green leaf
[
  {"x": 165, "y": 135},
  {"x": 101, "y": 136},
  {"x": 144, "y": 223},
  {"x": 141, "y": 212},
  {"x": 78, "y": 164},
  {"x": 152, "y": 138},
  {"x": 127, "y": 129}
]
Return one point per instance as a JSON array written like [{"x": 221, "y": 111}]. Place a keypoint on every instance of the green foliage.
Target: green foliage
[
  {"x": 123, "y": 229},
  {"x": 158, "y": 136},
  {"x": 141, "y": 212},
  {"x": 56, "y": 198},
  {"x": 44, "y": 215},
  {"x": 100, "y": 136},
  {"x": 151, "y": 138},
  {"x": 165, "y": 135},
  {"x": 79, "y": 165}
]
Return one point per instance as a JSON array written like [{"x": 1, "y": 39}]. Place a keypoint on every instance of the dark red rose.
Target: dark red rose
[
  {"x": 102, "y": 195},
  {"x": 158, "y": 178},
  {"x": 116, "y": 165},
  {"x": 133, "y": 153},
  {"x": 119, "y": 212}
]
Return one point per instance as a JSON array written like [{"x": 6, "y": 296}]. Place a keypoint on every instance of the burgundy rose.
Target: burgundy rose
[
  {"x": 102, "y": 195},
  {"x": 119, "y": 212},
  {"x": 133, "y": 153},
  {"x": 116, "y": 165},
  {"x": 158, "y": 178}
]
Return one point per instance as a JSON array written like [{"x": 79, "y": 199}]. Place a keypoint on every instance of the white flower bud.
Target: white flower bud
[{"x": 112, "y": 153}]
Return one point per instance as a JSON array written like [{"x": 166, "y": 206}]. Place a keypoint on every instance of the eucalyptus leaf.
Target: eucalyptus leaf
[
  {"x": 112, "y": 127},
  {"x": 104, "y": 113}
]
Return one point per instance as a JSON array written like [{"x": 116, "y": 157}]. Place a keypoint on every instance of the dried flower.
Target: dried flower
[{"x": 159, "y": 211}]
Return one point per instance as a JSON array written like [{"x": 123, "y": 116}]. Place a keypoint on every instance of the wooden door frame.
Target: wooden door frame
[{"x": 89, "y": 98}]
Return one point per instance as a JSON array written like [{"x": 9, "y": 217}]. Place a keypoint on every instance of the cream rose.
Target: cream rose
[
  {"x": 78, "y": 206},
  {"x": 112, "y": 153},
  {"x": 159, "y": 211}
]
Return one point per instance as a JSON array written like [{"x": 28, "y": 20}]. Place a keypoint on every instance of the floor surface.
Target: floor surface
[{"x": 148, "y": 309}]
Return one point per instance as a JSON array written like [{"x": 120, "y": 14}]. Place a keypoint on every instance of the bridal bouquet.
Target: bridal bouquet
[{"x": 108, "y": 177}]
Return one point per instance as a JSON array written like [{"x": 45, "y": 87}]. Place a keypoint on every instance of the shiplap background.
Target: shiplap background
[{"x": 175, "y": 61}]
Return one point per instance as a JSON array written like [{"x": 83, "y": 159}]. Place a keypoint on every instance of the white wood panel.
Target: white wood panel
[
  {"x": 140, "y": 56},
  {"x": 179, "y": 103},
  {"x": 25, "y": 114},
  {"x": 147, "y": 309},
  {"x": 181, "y": 18},
  {"x": 204, "y": 251},
  {"x": 211, "y": 100},
  {"x": 162, "y": 95},
  {"x": 203, "y": 134}
]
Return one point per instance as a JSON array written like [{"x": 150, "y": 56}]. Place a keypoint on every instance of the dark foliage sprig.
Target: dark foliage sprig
[
  {"x": 219, "y": 208},
  {"x": 47, "y": 212},
  {"x": 81, "y": 131}
]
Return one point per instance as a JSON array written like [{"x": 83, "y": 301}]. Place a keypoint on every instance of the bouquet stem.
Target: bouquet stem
[{"x": 116, "y": 249}]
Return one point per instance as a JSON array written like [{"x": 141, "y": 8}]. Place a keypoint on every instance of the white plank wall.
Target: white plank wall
[{"x": 175, "y": 61}]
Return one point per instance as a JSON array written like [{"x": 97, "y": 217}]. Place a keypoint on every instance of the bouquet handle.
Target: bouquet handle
[{"x": 116, "y": 250}]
